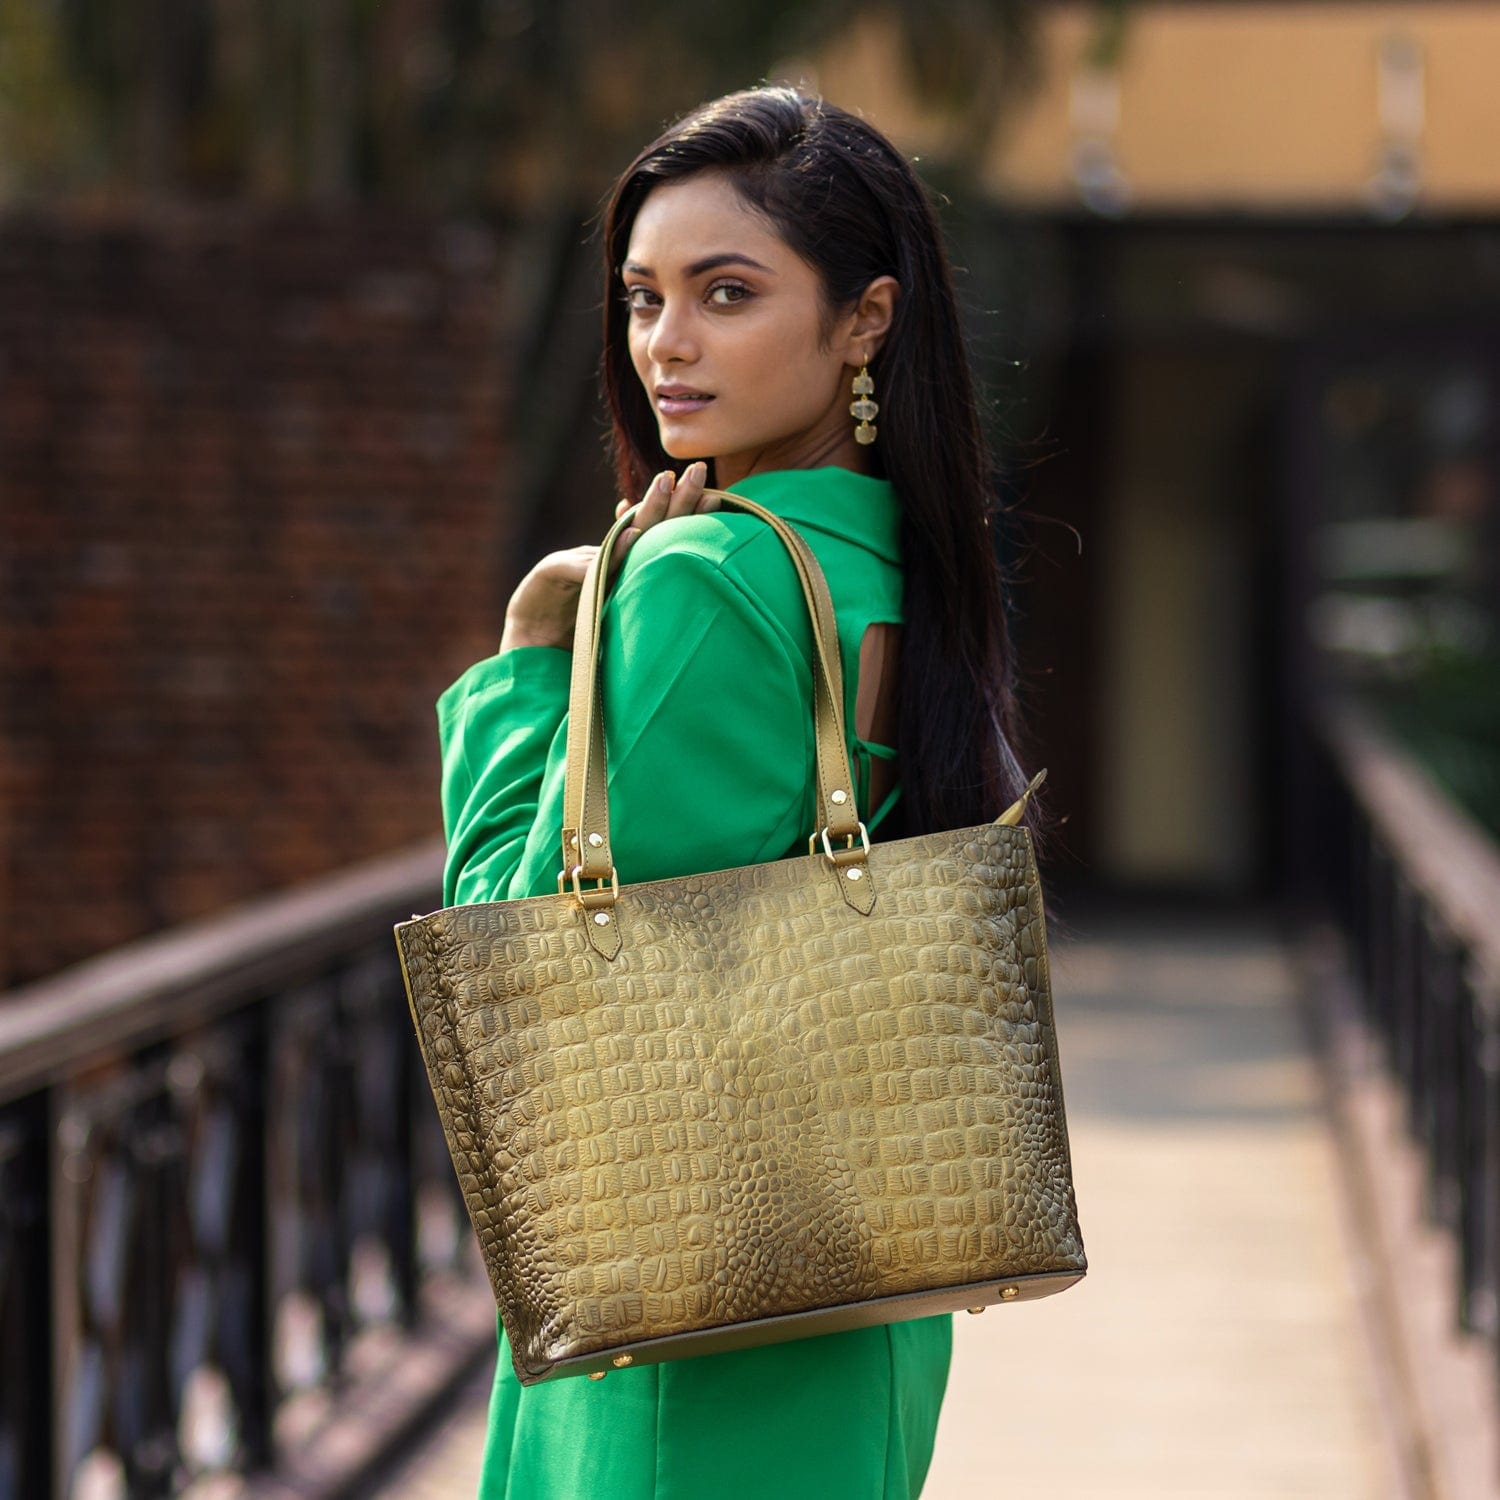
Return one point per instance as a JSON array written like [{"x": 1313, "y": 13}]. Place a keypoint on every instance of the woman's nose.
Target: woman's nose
[{"x": 671, "y": 336}]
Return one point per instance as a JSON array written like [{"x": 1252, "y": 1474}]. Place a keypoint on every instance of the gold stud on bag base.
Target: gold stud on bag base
[{"x": 756, "y": 1103}]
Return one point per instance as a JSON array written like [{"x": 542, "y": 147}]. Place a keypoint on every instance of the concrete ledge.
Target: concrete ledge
[{"x": 1438, "y": 1384}]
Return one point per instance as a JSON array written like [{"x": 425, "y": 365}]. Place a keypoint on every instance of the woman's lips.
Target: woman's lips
[{"x": 676, "y": 406}]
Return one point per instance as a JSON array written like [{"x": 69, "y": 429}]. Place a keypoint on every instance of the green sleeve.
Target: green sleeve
[{"x": 496, "y": 725}]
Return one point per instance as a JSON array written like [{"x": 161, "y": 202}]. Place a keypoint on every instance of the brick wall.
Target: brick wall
[{"x": 253, "y": 518}]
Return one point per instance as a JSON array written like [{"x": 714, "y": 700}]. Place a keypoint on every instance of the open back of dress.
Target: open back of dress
[{"x": 876, "y": 707}]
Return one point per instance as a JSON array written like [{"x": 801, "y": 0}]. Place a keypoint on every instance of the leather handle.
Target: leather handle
[{"x": 585, "y": 834}]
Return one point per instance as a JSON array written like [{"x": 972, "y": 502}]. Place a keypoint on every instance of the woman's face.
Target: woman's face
[{"x": 722, "y": 310}]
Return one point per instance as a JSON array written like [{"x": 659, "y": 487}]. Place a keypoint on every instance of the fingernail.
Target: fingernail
[
  {"x": 699, "y": 472},
  {"x": 668, "y": 479}
]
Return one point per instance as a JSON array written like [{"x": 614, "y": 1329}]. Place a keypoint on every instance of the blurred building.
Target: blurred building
[
  {"x": 1232, "y": 273},
  {"x": 1236, "y": 276}
]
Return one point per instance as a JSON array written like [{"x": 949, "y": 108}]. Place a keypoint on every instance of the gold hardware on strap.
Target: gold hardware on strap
[
  {"x": 598, "y": 896},
  {"x": 841, "y": 856}
]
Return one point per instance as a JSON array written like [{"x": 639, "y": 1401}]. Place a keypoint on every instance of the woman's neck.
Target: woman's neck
[{"x": 810, "y": 451}]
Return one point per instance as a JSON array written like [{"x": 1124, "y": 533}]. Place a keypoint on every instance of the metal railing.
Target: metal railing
[
  {"x": 225, "y": 1197},
  {"x": 1414, "y": 885}
]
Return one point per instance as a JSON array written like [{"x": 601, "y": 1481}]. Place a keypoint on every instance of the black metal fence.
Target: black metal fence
[
  {"x": 225, "y": 1197},
  {"x": 1415, "y": 887}
]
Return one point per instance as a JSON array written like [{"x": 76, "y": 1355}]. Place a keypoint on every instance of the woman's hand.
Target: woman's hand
[{"x": 544, "y": 608}]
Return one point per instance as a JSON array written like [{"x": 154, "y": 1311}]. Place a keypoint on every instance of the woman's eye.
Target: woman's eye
[{"x": 736, "y": 291}]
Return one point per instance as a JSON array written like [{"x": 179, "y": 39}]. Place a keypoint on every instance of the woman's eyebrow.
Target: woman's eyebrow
[{"x": 698, "y": 267}]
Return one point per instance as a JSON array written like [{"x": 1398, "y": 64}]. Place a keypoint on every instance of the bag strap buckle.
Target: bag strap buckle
[
  {"x": 596, "y": 897},
  {"x": 848, "y": 854}
]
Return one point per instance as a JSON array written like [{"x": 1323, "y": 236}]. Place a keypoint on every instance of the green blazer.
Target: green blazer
[{"x": 705, "y": 653}]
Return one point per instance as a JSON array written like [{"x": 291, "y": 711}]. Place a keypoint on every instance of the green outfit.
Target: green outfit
[{"x": 705, "y": 652}]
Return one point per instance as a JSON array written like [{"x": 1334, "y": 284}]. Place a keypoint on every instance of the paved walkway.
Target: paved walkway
[{"x": 1215, "y": 1351}]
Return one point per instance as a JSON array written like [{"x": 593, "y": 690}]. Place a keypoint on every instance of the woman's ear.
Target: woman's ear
[{"x": 871, "y": 320}]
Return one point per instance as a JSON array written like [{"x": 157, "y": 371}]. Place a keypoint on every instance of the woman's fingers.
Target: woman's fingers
[
  {"x": 666, "y": 496},
  {"x": 669, "y": 495},
  {"x": 687, "y": 498},
  {"x": 655, "y": 501}
]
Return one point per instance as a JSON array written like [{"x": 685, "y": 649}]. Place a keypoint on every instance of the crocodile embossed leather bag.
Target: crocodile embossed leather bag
[{"x": 725, "y": 1109}]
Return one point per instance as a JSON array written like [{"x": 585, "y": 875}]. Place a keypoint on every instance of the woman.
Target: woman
[{"x": 766, "y": 259}]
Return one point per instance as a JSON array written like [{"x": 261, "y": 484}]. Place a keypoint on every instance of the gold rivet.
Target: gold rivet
[
  {"x": 602, "y": 918},
  {"x": 596, "y": 839},
  {"x": 597, "y": 1374},
  {"x": 854, "y": 873},
  {"x": 1010, "y": 1291},
  {"x": 621, "y": 1360},
  {"x": 573, "y": 840},
  {"x": 976, "y": 1309},
  {"x": 840, "y": 796}
]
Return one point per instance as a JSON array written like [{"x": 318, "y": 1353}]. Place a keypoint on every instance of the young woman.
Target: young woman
[{"x": 766, "y": 260}]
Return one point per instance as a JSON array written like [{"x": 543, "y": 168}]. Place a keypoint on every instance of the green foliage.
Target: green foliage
[
  {"x": 450, "y": 104},
  {"x": 43, "y": 140},
  {"x": 1448, "y": 715}
]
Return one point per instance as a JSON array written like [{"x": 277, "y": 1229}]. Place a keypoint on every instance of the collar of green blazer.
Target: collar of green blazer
[{"x": 857, "y": 507}]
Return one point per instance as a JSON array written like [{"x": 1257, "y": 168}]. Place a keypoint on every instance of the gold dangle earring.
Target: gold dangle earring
[{"x": 864, "y": 408}]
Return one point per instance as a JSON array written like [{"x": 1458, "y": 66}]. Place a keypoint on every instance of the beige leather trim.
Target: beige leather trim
[{"x": 803, "y": 1325}]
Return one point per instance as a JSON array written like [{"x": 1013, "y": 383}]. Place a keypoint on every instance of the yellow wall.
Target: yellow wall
[{"x": 1229, "y": 105}]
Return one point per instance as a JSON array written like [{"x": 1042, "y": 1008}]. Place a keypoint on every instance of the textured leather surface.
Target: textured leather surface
[{"x": 767, "y": 1102}]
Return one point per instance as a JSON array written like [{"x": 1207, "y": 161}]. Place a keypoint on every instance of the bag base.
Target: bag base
[{"x": 807, "y": 1324}]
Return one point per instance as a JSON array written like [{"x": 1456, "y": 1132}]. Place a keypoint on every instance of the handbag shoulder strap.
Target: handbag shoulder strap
[{"x": 586, "y": 842}]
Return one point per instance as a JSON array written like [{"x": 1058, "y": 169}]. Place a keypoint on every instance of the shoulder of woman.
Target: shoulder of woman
[{"x": 715, "y": 552}]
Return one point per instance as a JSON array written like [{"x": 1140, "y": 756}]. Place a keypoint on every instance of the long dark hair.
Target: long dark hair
[{"x": 849, "y": 204}]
